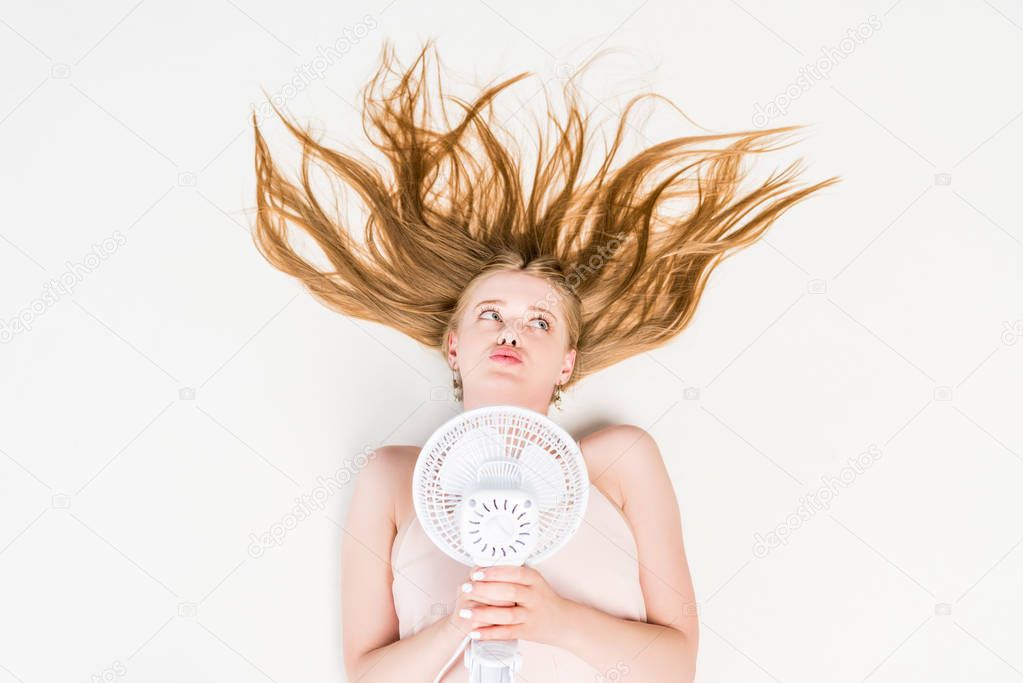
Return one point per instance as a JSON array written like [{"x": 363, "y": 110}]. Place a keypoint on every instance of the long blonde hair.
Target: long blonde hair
[{"x": 449, "y": 206}]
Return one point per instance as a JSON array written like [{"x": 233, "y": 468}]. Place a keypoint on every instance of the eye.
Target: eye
[{"x": 546, "y": 323}]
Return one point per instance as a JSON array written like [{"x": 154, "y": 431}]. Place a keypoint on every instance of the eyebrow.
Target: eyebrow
[{"x": 531, "y": 308}]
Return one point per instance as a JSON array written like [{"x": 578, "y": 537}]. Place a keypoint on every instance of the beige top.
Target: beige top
[{"x": 597, "y": 567}]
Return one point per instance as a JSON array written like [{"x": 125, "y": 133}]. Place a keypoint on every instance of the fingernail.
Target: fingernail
[
  {"x": 474, "y": 635},
  {"x": 465, "y": 613},
  {"x": 466, "y": 587},
  {"x": 477, "y": 576}
]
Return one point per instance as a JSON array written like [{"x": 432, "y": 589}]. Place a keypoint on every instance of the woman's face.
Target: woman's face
[{"x": 519, "y": 314}]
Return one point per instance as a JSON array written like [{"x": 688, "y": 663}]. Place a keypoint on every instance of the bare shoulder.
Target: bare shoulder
[
  {"x": 391, "y": 459},
  {"x": 397, "y": 456},
  {"x": 381, "y": 477},
  {"x": 398, "y": 462},
  {"x": 617, "y": 457}
]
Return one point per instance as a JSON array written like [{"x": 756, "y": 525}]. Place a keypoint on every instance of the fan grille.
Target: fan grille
[{"x": 501, "y": 446}]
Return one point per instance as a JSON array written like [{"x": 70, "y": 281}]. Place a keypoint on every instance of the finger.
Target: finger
[
  {"x": 465, "y": 599},
  {"x": 489, "y": 615},
  {"x": 469, "y": 613},
  {"x": 511, "y": 632},
  {"x": 494, "y": 592},
  {"x": 521, "y": 574},
  {"x": 466, "y": 617}
]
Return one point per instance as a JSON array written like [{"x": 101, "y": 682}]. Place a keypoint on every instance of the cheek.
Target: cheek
[
  {"x": 553, "y": 354},
  {"x": 475, "y": 338}
]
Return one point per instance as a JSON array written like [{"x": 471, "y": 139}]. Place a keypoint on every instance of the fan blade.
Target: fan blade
[{"x": 459, "y": 466}]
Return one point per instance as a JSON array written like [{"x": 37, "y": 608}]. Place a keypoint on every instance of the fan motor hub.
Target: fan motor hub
[{"x": 501, "y": 528}]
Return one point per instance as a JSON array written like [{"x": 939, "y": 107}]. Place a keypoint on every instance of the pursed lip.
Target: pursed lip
[{"x": 508, "y": 353}]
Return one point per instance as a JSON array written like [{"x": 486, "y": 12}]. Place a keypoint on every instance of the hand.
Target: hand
[{"x": 513, "y": 602}]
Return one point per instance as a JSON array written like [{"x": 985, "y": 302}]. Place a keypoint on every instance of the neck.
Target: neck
[{"x": 473, "y": 401}]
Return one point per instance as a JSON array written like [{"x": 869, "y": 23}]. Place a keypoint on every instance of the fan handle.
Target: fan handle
[{"x": 502, "y": 656}]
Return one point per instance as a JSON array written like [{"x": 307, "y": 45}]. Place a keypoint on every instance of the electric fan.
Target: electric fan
[{"x": 499, "y": 485}]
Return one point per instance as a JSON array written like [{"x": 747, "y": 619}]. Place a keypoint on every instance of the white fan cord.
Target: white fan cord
[{"x": 447, "y": 666}]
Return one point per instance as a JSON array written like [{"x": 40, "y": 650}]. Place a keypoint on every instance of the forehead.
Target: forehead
[{"x": 518, "y": 289}]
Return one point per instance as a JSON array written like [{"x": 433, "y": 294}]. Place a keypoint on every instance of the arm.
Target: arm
[
  {"x": 372, "y": 651},
  {"x": 668, "y": 640},
  {"x": 643, "y": 651},
  {"x": 416, "y": 659}
]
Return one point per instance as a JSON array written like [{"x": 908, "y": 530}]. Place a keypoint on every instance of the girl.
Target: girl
[{"x": 525, "y": 284}]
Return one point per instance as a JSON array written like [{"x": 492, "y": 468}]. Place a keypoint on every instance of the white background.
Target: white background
[{"x": 883, "y": 313}]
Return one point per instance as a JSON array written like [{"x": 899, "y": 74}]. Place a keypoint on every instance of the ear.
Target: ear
[
  {"x": 452, "y": 349},
  {"x": 569, "y": 365}
]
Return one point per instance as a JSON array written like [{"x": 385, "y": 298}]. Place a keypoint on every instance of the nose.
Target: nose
[{"x": 507, "y": 336}]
